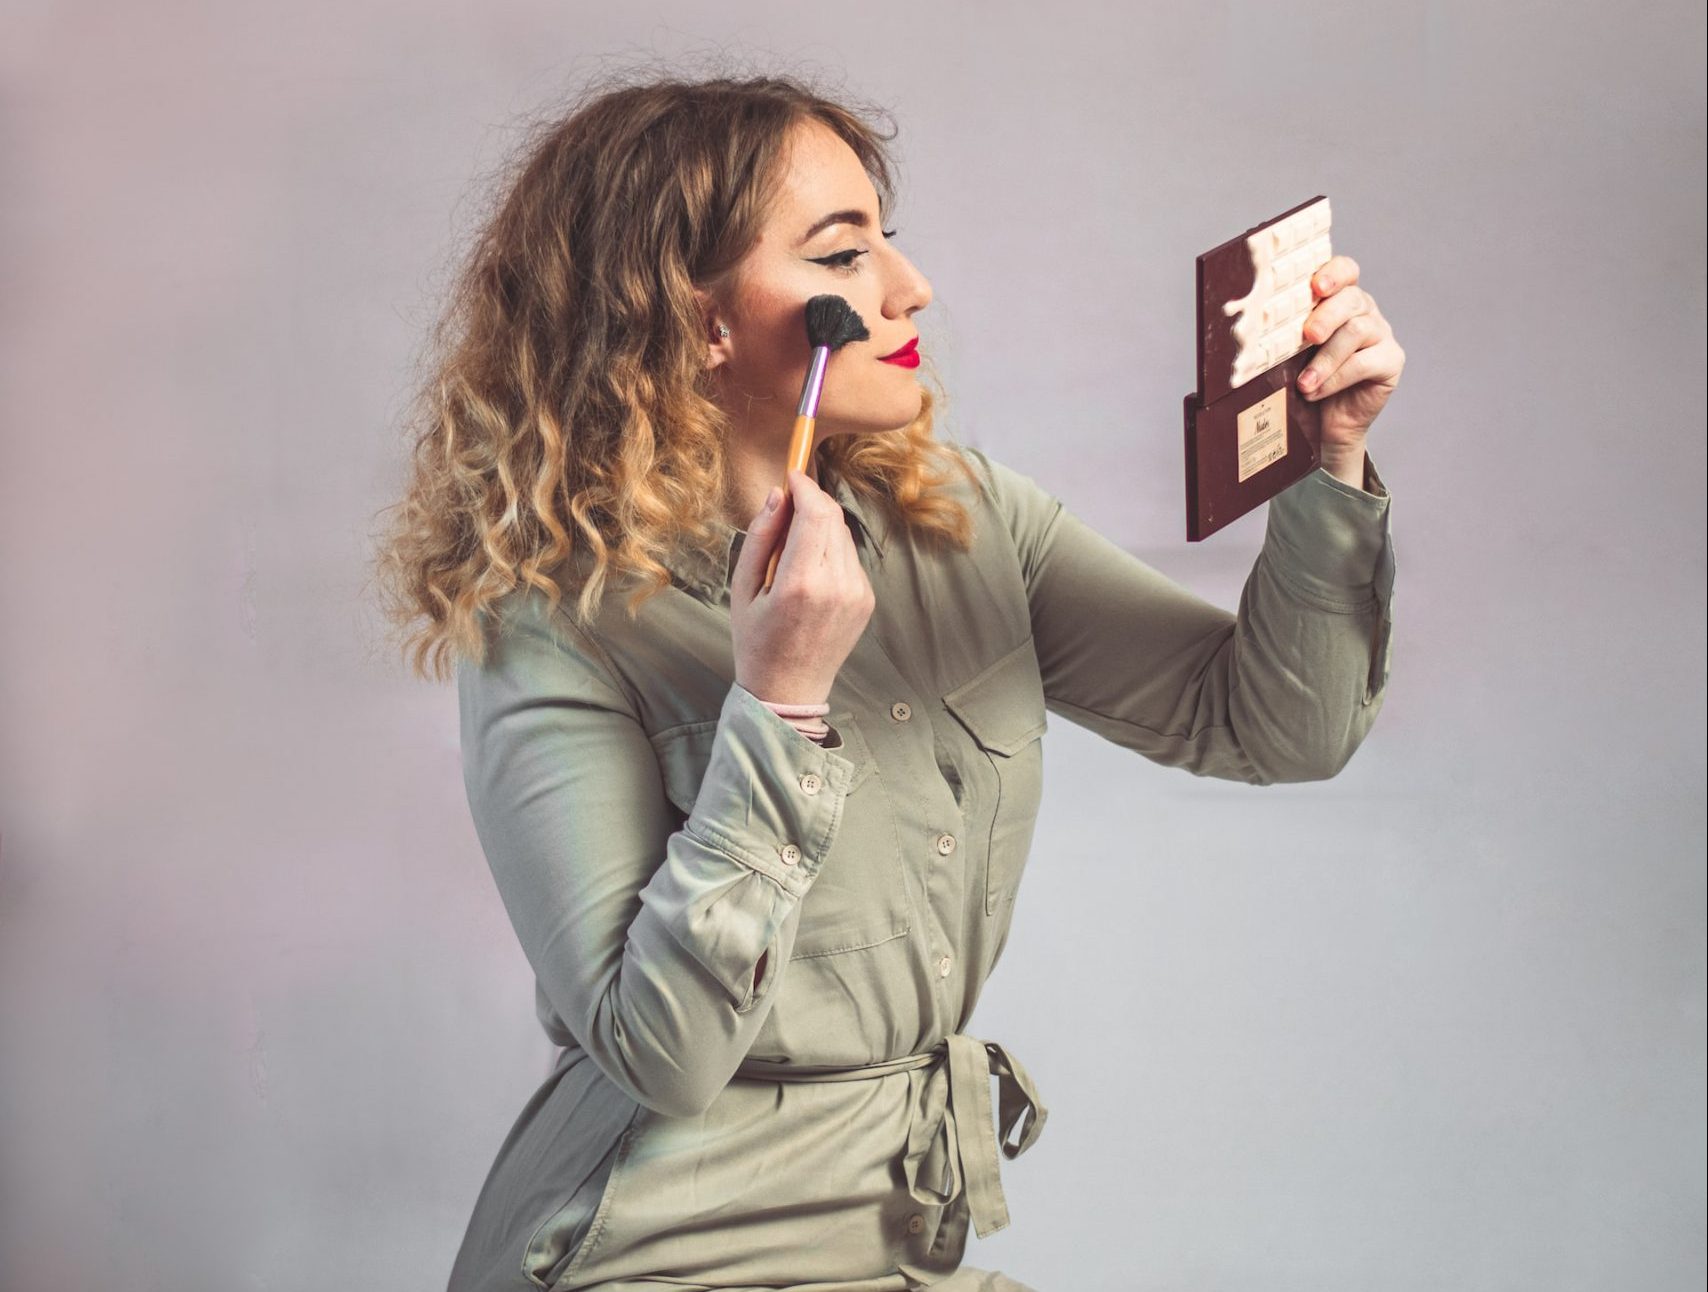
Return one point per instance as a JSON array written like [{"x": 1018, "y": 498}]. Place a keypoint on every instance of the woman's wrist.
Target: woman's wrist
[{"x": 808, "y": 719}]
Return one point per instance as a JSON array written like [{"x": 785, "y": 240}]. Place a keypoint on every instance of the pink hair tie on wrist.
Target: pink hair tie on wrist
[{"x": 805, "y": 718}]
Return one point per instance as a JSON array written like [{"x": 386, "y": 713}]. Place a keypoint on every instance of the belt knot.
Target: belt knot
[{"x": 952, "y": 1085}]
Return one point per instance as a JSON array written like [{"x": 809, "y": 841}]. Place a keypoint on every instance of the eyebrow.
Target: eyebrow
[{"x": 854, "y": 217}]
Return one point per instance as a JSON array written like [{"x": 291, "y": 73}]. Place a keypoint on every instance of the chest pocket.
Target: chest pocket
[
  {"x": 859, "y": 898},
  {"x": 1003, "y": 709}
]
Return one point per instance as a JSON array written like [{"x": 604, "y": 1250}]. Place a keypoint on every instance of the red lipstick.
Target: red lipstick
[{"x": 906, "y": 357}]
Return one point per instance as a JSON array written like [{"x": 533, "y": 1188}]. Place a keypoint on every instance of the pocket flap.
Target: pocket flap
[
  {"x": 685, "y": 752},
  {"x": 1003, "y": 706}
]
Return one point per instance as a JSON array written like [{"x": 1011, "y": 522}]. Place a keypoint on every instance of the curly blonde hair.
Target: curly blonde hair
[{"x": 567, "y": 402}]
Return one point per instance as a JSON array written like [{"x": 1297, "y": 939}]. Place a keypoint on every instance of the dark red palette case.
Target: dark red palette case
[{"x": 1249, "y": 433}]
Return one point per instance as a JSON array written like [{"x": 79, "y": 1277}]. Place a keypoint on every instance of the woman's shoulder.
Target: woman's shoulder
[
  {"x": 530, "y": 634},
  {"x": 1026, "y": 508}
]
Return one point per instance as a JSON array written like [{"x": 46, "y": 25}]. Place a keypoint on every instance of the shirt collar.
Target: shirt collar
[{"x": 710, "y": 573}]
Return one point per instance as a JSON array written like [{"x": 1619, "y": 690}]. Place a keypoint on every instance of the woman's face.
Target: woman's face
[{"x": 761, "y": 366}]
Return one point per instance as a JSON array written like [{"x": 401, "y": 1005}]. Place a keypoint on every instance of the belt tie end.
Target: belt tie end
[{"x": 959, "y": 1089}]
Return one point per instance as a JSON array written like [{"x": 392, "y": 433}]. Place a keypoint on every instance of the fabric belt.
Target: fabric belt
[{"x": 939, "y": 1142}]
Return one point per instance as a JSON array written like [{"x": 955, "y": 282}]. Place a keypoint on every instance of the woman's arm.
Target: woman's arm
[
  {"x": 646, "y": 941},
  {"x": 1283, "y": 691}
]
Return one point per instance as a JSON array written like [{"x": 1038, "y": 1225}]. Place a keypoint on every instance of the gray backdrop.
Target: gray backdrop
[{"x": 1436, "y": 1023}]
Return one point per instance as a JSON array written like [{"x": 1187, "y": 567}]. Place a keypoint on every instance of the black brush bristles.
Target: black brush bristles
[{"x": 832, "y": 321}]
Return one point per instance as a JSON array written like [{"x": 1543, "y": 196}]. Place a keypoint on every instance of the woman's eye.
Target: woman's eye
[{"x": 844, "y": 260}]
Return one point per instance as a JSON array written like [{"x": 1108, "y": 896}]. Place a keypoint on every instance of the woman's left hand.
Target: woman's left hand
[{"x": 1358, "y": 363}]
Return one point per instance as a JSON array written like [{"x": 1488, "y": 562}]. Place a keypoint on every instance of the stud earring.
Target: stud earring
[{"x": 722, "y": 330}]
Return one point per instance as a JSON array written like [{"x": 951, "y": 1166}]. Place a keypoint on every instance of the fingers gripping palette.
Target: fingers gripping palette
[{"x": 1249, "y": 434}]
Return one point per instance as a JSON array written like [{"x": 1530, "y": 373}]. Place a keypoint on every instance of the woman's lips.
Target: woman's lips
[{"x": 906, "y": 357}]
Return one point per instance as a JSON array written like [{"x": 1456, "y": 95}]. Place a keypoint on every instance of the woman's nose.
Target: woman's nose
[{"x": 911, "y": 291}]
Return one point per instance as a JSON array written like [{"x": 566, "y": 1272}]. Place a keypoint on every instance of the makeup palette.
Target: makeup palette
[{"x": 1249, "y": 433}]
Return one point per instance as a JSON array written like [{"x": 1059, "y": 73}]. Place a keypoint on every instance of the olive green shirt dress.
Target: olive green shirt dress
[{"x": 761, "y": 955}]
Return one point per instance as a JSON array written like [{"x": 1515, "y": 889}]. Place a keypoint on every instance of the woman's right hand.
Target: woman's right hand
[{"x": 790, "y": 642}]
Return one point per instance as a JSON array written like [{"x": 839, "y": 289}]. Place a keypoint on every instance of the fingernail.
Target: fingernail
[
  {"x": 772, "y": 497},
  {"x": 1308, "y": 380}
]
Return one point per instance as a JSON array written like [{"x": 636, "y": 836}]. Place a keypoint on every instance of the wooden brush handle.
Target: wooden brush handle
[{"x": 800, "y": 452}]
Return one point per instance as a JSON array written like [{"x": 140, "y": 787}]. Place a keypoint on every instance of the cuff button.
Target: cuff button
[
  {"x": 791, "y": 854},
  {"x": 812, "y": 782}
]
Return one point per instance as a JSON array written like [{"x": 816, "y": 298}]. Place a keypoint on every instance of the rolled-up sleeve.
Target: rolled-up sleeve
[
  {"x": 645, "y": 940},
  {"x": 1283, "y": 690}
]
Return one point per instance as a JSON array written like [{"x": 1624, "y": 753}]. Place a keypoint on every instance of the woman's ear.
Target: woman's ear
[{"x": 717, "y": 343}]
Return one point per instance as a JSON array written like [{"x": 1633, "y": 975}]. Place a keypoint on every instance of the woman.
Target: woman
[{"x": 761, "y": 847}]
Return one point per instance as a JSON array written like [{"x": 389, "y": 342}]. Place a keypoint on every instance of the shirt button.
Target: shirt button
[
  {"x": 901, "y": 711},
  {"x": 943, "y": 966},
  {"x": 791, "y": 854},
  {"x": 812, "y": 782},
  {"x": 915, "y": 1223},
  {"x": 945, "y": 844}
]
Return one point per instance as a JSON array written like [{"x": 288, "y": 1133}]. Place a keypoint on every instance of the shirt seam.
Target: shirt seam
[
  {"x": 603, "y": 662},
  {"x": 1311, "y": 596},
  {"x": 1057, "y": 703}
]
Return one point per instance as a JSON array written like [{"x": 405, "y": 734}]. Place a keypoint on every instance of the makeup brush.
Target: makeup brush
[{"x": 831, "y": 324}]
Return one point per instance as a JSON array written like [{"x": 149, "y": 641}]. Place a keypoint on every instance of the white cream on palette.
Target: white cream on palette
[{"x": 1271, "y": 325}]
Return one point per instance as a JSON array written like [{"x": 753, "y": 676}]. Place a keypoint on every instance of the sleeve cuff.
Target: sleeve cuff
[
  {"x": 772, "y": 798},
  {"x": 1331, "y": 542}
]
